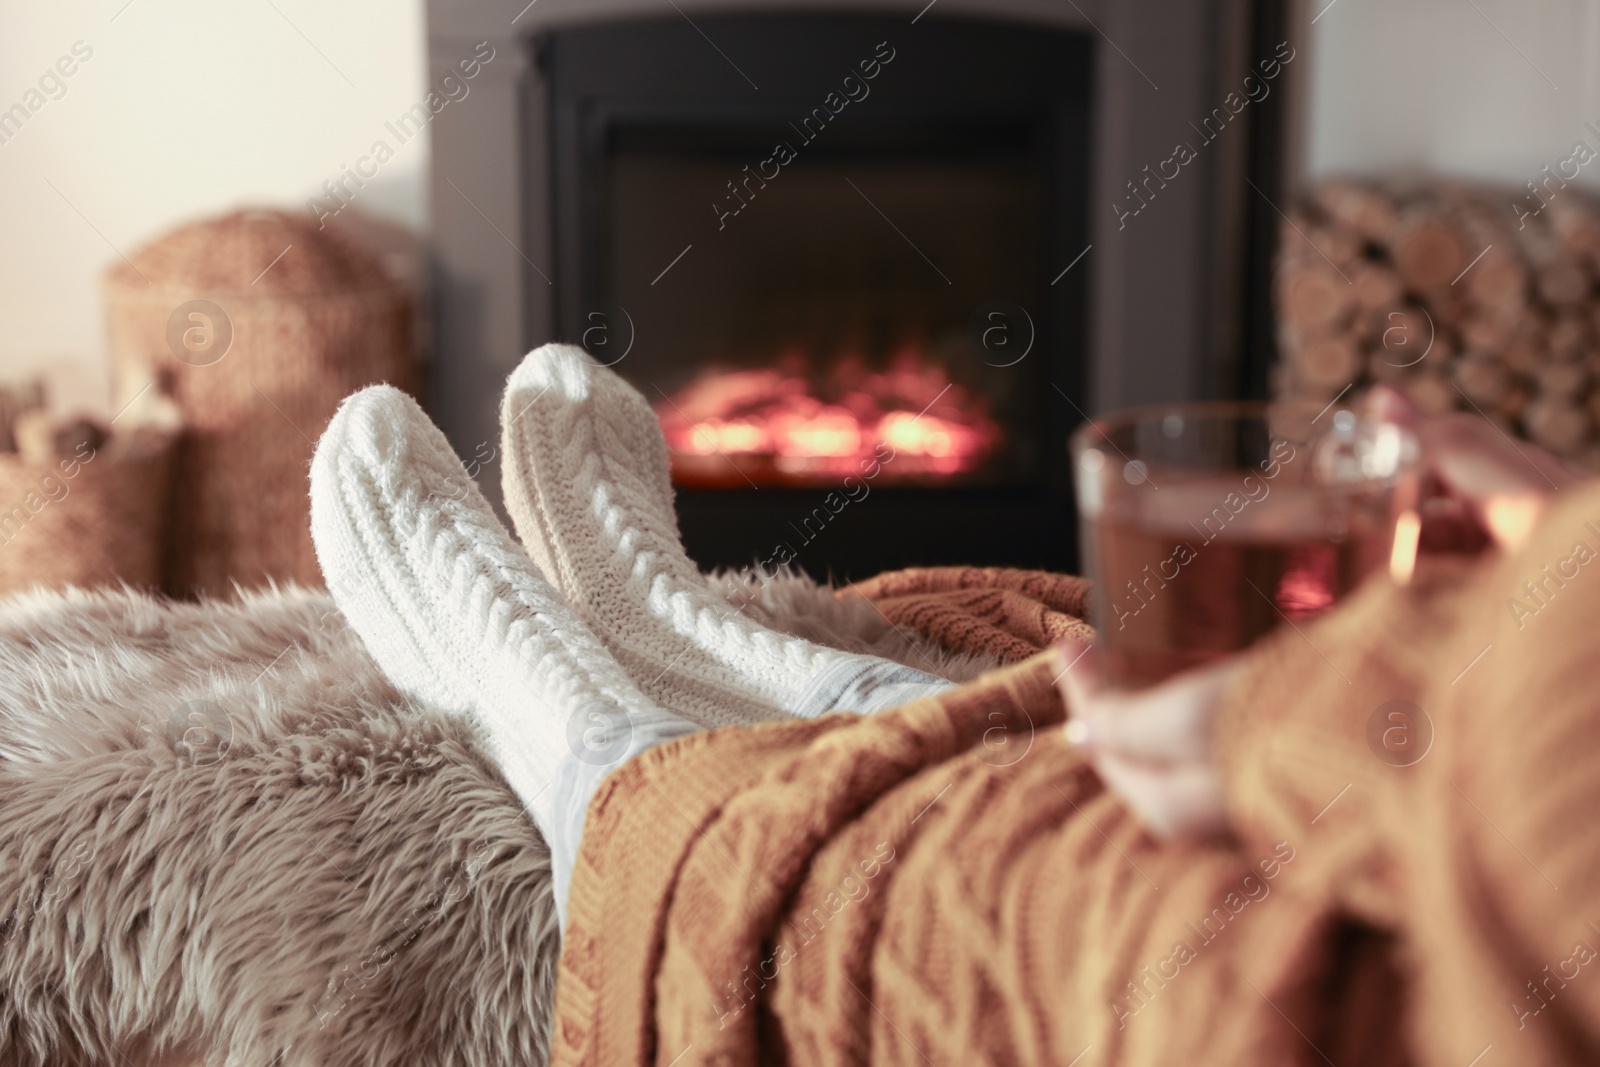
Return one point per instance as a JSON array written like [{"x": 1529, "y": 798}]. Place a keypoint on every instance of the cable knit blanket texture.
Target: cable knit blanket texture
[
  {"x": 948, "y": 882},
  {"x": 223, "y": 835}
]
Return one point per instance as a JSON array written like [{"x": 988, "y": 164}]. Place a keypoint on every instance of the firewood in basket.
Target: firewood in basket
[
  {"x": 1380, "y": 367},
  {"x": 1483, "y": 228},
  {"x": 1539, "y": 246},
  {"x": 8, "y": 417},
  {"x": 1512, "y": 315},
  {"x": 1447, "y": 304},
  {"x": 1516, "y": 400},
  {"x": 15, "y": 401},
  {"x": 1294, "y": 243},
  {"x": 1327, "y": 362},
  {"x": 42, "y": 438},
  {"x": 1444, "y": 350},
  {"x": 1564, "y": 283},
  {"x": 1568, "y": 381},
  {"x": 1291, "y": 338},
  {"x": 1428, "y": 252},
  {"x": 1404, "y": 333},
  {"x": 1338, "y": 245},
  {"x": 1360, "y": 209},
  {"x": 1528, "y": 349},
  {"x": 1569, "y": 336},
  {"x": 1557, "y": 424},
  {"x": 1574, "y": 221},
  {"x": 1431, "y": 392},
  {"x": 1314, "y": 296},
  {"x": 1498, "y": 283},
  {"x": 1483, "y": 378},
  {"x": 1314, "y": 397},
  {"x": 1504, "y": 423},
  {"x": 1376, "y": 286},
  {"x": 1489, "y": 333}
]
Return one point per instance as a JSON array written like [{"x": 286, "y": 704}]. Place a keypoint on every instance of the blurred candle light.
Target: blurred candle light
[{"x": 1403, "y": 557}]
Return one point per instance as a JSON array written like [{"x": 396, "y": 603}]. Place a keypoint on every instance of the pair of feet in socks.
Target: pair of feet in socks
[{"x": 603, "y": 643}]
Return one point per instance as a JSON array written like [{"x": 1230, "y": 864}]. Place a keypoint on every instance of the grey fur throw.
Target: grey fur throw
[{"x": 225, "y": 837}]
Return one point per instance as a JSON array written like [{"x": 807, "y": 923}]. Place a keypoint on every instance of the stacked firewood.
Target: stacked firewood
[
  {"x": 1453, "y": 295},
  {"x": 82, "y": 503}
]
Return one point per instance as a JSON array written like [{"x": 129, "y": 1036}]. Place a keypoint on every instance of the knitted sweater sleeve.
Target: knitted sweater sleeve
[
  {"x": 1292, "y": 736},
  {"x": 1432, "y": 753}
]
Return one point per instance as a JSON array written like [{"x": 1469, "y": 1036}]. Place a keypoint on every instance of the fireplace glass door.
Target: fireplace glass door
[{"x": 834, "y": 313}]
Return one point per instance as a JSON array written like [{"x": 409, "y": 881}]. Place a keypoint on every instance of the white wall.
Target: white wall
[
  {"x": 186, "y": 108},
  {"x": 1489, "y": 89}
]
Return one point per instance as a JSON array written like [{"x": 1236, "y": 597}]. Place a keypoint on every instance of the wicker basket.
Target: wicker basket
[
  {"x": 257, "y": 324},
  {"x": 93, "y": 516}
]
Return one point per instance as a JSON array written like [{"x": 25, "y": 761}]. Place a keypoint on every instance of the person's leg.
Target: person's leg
[
  {"x": 459, "y": 618},
  {"x": 586, "y": 481}
]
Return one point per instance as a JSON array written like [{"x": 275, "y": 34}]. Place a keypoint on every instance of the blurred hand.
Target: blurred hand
[
  {"x": 1154, "y": 747},
  {"x": 1488, "y": 486}
]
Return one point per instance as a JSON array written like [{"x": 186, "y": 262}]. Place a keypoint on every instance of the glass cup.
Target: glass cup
[{"x": 1206, "y": 525}]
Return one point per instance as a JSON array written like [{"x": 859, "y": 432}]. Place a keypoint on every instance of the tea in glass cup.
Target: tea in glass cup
[{"x": 1207, "y": 525}]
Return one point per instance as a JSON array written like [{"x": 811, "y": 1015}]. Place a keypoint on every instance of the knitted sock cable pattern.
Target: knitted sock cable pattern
[{"x": 587, "y": 483}]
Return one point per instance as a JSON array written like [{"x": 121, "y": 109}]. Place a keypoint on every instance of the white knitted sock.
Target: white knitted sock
[
  {"x": 459, "y": 618},
  {"x": 587, "y": 483}
]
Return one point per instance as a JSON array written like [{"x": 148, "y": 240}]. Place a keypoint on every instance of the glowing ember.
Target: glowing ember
[{"x": 786, "y": 426}]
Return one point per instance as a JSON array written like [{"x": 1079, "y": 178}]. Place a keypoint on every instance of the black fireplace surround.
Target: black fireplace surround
[{"x": 739, "y": 186}]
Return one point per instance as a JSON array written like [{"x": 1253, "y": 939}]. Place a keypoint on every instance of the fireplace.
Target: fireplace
[
  {"x": 841, "y": 274},
  {"x": 851, "y": 259}
]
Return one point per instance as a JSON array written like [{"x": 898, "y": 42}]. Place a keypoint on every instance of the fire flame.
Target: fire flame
[{"x": 786, "y": 426}]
